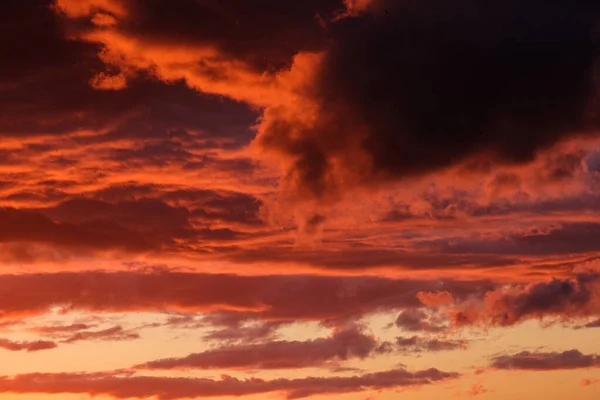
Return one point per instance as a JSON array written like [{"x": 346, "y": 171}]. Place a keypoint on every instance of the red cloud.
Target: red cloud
[
  {"x": 283, "y": 298},
  {"x": 121, "y": 387}
]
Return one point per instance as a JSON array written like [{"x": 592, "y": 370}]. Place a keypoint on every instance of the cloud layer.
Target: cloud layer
[{"x": 309, "y": 198}]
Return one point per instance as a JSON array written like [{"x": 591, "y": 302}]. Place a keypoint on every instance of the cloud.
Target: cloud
[
  {"x": 443, "y": 95},
  {"x": 552, "y": 239},
  {"x": 593, "y": 324},
  {"x": 31, "y": 226},
  {"x": 435, "y": 299},
  {"x": 563, "y": 298},
  {"x": 60, "y": 329},
  {"x": 503, "y": 118},
  {"x": 268, "y": 39},
  {"x": 342, "y": 345},
  {"x": 162, "y": 388},
  {"x": 418, "y": 344},
  {"x": 150, "y": 217},
  {"x": 116, "y": 333},
  {"x": 477, "y": 389},
  {"x": 236, "y": 329},
  {"x": 32, "y": 346},
  {"x": 572, "y": 359},
  {"x": 270, "y": 298},
  {"x": 413, "y": 320}
]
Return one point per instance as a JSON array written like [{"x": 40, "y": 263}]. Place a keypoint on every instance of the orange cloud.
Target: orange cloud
[
  {"x": 477, "y": 389},
  {"x": 78, "y": 9},
  {"x": 106, "y": 82},
  {"x": 435, "y": 299}
]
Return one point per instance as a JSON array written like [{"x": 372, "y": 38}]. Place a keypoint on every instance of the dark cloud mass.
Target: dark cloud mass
[
  {"x": 264, "y": 33},
  {"x": 426, "y": 85},
  {"x": 45, "y": 86}
]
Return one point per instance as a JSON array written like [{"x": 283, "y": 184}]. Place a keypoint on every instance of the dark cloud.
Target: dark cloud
[
  {"x": 32, "y": 227},
  {"x": 418, "y": 344},
  {"x": 116, "y": 333},
  {"x": 344, "y": 344},
  {"x": 427, "y": 85},
  {"x": 149, "y": 216},
  {"x": 414, "y": 320},
  {"x": 565, "y": 298},
  {"x": 61, "y": 329},
  {"x": 45, "y": 88},
  {"x": 264, "y": 33},
  {"x": 593, "y": 324},
  {"x": 549, "y": 240},
  {"x": 204, "y": 204},
  {"x": 270, "y": 298},
  {"x": 123, "y": 386},
  {"x": 572, "y": 359},
  {"x": 139, "y": 225},
  {"x": 357, "y": 257}
]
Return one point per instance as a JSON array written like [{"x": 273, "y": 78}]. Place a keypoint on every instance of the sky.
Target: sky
[{"x": 316, "y": 199}]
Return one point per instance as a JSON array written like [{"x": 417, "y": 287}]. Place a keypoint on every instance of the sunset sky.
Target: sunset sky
[{"x": 299, "y": 199}]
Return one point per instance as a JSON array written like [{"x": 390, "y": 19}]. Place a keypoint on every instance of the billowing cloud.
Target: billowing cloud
[
  {"x": 265, "y": 34},
  {"x": 422, "y": 87},
  {"x": 391, "y": 125},
  {"x": 135, "y": 178}
]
